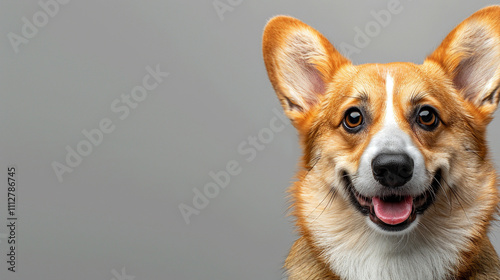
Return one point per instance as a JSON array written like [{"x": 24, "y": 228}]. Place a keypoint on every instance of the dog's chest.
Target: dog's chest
[{"x": 410, "y": 260}]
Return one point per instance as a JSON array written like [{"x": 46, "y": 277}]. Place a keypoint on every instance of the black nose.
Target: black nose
[{"x": 392, "y": 170}]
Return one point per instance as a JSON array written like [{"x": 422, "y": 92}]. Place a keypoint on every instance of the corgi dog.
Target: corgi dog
[{"x": 396, "y": 181}]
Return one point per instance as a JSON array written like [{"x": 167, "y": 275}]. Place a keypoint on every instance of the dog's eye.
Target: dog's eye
[
  {"x": 353, "y": 120},
  {"x": 427, "y": 118}
]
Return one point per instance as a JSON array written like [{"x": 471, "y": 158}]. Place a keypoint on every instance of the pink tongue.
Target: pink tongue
[{"x": 393, "y": 213}]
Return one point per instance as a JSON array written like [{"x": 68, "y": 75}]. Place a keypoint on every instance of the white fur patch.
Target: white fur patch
[
  {"x": 390, "y": 139},
  {"x": 389, "y": 118},
  {"x": 374, "y": 256}
]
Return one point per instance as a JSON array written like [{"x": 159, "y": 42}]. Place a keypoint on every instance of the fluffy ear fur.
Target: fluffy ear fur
[
  {"x": 300, "y": 62},
  {"x": 470, "y": 56}
]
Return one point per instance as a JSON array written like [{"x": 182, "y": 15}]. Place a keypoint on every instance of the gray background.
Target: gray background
[{"x": 117, "y": 212}]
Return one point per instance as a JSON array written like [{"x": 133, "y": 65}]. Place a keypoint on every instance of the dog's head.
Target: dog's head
[{"x": 386, "y": 143}]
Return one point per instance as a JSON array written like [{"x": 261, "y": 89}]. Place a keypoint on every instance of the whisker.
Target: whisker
[
  {"x": 467, "y": 149},
  {"x": 332, "y": 197},
  {"x": 421, "y": 225},
  {"x": 403, "y": 240},
  {"x": 315, "y": 161},
  {"x": 332, "y": 194},
  {"x": 450, "y": 201},
  {"x": 407, "y": 240},
  {"x": 458, "y": 198},
  {"x": 362, "y": 96}
]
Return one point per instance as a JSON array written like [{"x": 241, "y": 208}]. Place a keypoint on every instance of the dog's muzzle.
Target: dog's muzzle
[{"x": 395, "y": 206}]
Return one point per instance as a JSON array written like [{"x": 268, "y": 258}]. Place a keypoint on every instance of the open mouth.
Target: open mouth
[{"x": 395, "y": 212}]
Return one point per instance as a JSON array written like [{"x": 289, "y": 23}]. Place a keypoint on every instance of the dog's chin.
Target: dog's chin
[{"x": 412, "y": 205}]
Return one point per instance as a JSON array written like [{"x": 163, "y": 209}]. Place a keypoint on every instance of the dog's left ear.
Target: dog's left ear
[{"x": 470, "y": 56}]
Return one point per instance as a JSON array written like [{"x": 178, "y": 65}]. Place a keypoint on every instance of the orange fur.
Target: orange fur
[{"x": 316, "y": 85}]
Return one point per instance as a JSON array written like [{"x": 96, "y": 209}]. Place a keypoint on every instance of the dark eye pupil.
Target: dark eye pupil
[
  {"x": 426, "y": 116},
  {"x": 354, "y": 118}
]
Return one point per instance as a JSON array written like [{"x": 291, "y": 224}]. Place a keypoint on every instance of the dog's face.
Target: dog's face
[
  {"x": 390, "y": 147},
  {"x": 389, "y": 137}
]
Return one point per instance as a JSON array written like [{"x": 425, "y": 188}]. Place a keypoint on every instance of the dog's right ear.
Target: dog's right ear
[
  {"x": 470, "y": 56},
  {"x": 300, "y": 62}
]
